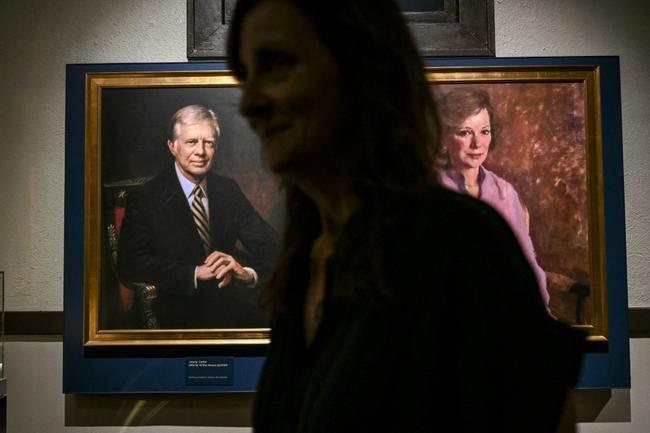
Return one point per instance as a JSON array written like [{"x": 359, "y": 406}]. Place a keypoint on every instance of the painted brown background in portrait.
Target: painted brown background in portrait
[{"x": 540, "y": 149}]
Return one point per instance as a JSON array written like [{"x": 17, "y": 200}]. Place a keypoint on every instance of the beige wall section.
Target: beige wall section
[
  {"x": 627, "y": 410},
  {"x": 35, "y": 403},
  {"x": 38, "y": 38}
]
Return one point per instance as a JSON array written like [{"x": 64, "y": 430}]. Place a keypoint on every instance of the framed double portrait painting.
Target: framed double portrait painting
[{"x": 556, "y": 140}]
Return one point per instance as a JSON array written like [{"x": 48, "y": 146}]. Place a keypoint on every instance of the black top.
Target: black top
[{"x": 456, "y": 335}]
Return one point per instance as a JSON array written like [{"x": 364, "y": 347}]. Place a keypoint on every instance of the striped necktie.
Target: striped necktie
[{"x": 201, "y": 218}]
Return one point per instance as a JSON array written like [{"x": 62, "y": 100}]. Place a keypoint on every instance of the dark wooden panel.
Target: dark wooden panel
[
  {"x": 34, "y": 323},
  {"x": 226, "y": 410},
  {"x": 640, "y": 322},
  {"x": 458, "y": 28},
  {"x": 51, "y": 322}
]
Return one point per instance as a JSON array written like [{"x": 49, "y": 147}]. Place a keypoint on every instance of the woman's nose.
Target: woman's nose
[{"x": 254, "y": 103}]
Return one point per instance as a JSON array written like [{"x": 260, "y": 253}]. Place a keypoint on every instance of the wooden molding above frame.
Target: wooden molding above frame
[
  {"x": 460, "y": 28},
  {"x": 455, "y": 28}
]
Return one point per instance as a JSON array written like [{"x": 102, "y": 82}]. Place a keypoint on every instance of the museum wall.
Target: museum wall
[{"x": 39, "y": 37}]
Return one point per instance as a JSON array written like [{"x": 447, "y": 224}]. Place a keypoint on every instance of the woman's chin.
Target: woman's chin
[
  {"x": 466, "y": 166},
  {"x": 279, "y": 165}
]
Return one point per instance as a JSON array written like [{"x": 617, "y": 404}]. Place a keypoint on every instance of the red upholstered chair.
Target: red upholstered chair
[{"x": 129, "y": 302}]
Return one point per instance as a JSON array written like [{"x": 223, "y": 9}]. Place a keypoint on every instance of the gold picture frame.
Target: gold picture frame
[
  {"x": 490, "y": 78},
  {"x": 114, "y": 101},
  {"x": 550, "y": 149}
]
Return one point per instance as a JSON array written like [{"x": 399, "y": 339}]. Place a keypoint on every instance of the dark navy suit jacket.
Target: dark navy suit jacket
[{"x": 159, "y": 244}]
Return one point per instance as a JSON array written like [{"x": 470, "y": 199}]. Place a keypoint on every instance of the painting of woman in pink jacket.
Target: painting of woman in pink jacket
[{"x": 468, "y": 123}]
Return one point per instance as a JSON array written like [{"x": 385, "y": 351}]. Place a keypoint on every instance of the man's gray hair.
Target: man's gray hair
[{"x": 188, "y": 114}]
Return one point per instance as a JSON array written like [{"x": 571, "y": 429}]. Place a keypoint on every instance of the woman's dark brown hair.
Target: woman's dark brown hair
[{"x": 393, "y": 121}]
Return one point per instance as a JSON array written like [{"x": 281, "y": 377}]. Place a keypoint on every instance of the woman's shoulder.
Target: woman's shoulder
[
  {"x": 440, "y": 225},
  {"x": 440, "y": 207},
  {"x": 494, "y": 181}
]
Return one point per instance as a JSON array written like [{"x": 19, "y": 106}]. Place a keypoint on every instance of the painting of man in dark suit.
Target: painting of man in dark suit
[{"x": 195, "y": 236}]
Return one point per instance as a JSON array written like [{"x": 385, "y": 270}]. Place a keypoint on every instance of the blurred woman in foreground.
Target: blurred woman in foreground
[{"x": 397, "y": 305}]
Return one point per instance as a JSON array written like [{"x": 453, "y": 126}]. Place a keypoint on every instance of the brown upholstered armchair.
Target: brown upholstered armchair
[{"x": 569, "y": 299}]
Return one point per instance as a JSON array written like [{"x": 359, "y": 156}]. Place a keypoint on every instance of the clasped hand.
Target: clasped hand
[{"x": 223, "y": 267}]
